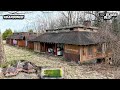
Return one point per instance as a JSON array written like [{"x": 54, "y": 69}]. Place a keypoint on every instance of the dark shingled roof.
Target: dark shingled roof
[
  {"x": 31, "y": 37},
  {"x": 16, "y": 36},
  {"x": 72, "y": 37}
]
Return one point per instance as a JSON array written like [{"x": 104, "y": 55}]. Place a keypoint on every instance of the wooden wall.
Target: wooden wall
[
  {"x": 81, "y": 53},
  {"x": 71, "y": 52},
  {"x": 37, "y": 46},
  {"x": 21, "y": 43},
  {"x": 84, "y": 53},
  {"x": 43, "y": 47},
  {"x": 30, "y": 45},
  {"x": 72, "y": 49}
]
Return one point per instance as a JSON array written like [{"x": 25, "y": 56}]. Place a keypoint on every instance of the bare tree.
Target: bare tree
[
  {"x": 41, "y": 24},
  {"x": 113, "y": 43},
  {"x": 73, "y": 17},
  {"x": 44, "y": 22},
  {"x": 106, "y": 35},
  {"x": 65, "y": 18}
]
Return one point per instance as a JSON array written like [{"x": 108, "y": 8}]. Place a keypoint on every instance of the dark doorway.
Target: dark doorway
[
  {"x": 24, "y": 38},
  {"x": 100, "y": 60}
]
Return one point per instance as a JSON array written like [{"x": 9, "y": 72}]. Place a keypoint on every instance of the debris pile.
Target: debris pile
[
  {"x": 20, "y": 66},
  {"x": 26, "y": 69}
]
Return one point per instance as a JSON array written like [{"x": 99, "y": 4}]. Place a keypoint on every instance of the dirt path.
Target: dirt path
[{"x": 70, "y": 71}]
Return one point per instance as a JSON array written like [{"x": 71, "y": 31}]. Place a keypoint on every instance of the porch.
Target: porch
[{"x": 49, "y": 48}]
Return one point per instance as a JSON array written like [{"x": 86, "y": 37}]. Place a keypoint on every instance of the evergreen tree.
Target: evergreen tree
[{"x": 7, "y": 33}]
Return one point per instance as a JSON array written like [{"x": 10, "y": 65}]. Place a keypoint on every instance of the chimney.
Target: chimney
[{"x": 87, "y": 23}]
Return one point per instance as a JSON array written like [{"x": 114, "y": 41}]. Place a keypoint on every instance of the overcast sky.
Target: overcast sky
[{"x": 20, "y": 25}]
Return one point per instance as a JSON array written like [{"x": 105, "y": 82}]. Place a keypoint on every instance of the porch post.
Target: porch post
[{"x": 55, "y": 49}]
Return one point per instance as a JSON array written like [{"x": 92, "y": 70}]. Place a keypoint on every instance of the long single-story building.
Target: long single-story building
[
  {"x": 21, "y": 39},
  {"x": 74, "y": 43}
]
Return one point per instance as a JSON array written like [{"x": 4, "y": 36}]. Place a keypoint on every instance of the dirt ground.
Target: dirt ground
[{"x": 71, "y": 71}]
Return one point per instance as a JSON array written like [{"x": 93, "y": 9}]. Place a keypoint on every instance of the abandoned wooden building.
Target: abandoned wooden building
[
  {"x": 21, "y": 39},
  {"x": 73, "y": 43}
]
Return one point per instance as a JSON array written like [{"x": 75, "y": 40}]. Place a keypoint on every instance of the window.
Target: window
[
  {"x": 90, "y": 50},
  {"x": 99, "y": 49}
]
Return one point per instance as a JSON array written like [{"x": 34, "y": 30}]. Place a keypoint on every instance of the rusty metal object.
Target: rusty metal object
[{"x": 20, "y": 66}]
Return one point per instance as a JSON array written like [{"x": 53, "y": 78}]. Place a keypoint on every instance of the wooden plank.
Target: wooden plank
[{"x": 72, "y": 49}]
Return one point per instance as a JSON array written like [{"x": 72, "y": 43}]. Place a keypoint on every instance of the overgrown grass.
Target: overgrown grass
[
  {"x": 15, "y": 53},
  {"x": 6, "y": 64}
]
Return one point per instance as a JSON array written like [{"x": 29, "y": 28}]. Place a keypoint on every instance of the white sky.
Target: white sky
[{"x": 19, "y": 25}]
